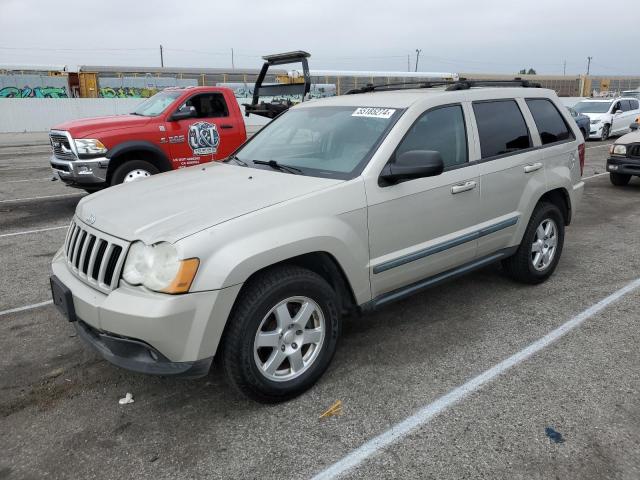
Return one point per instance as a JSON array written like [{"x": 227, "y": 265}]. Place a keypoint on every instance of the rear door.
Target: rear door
[
  {"x": 207, "y": 136},
  {"x": 511, "y": 171}
]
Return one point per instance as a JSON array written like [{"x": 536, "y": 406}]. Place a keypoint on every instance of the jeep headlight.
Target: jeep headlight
[
  {"x": 158, "y": 268},
  {"x": 90, "y": 146},
  {"x": 618, "y": 149}
]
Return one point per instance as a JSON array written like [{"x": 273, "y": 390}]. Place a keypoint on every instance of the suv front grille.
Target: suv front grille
[
  {"x": 61, "y": 147},
  {"x": 94, "y": 257},
  {"x": 634, "y": 151}
]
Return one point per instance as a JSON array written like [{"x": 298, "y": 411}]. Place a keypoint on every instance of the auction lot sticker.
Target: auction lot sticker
[{"x": 373, "y": 112}]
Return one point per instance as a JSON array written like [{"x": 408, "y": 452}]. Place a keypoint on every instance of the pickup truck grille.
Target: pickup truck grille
[
  {"x": 634, "y": 151},
  {"x": 61, "y": 147},
  {"x": 94, "y": 257}
]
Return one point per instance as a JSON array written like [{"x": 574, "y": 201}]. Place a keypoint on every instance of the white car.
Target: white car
[{"x": 609, "y": 116}]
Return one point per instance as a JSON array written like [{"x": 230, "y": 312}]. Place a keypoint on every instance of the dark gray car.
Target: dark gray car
[{"x": 582, "y": 121}]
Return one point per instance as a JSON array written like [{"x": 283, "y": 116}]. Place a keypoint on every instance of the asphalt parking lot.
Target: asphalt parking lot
[{"x": 571, "y": 410}]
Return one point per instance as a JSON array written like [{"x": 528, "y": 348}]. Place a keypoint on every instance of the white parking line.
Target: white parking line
[
  {"x": 25, "y": 232},
  {"x": 40, "y": 198},
  {"x": 428, "y": 412},
  {"x": 26, "y": 307},
  {"x": 596, "y": 175},
  {"x": 598, "y": 146},
  {"x": 28, "y": 180}
]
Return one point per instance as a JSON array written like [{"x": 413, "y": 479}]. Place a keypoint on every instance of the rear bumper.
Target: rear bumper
[
  {"x": 623, "y": 165},
  {"x": 138, "y": 356},
  {"x": 81, "y": 173}
]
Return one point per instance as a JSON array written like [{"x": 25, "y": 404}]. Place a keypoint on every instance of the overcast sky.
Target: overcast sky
[{"x": 499, "y": 36}]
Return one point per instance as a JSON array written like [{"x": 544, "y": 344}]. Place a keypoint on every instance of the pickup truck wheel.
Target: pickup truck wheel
[
  {"x": 281, "y": 335},
  {"x": 132, "y": 171},
  {"x": 541, "y": 246},
  {"x": 619, "y": 179}
]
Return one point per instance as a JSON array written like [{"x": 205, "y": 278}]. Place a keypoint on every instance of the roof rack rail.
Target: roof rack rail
[{"x": 461, "y": 84}]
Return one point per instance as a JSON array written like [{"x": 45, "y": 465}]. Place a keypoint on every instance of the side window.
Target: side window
[
  {"x": 443, "y": 130},
  {"x": 208, "y": 105},
  {"x": 635, "y": 105},
  {"x": 550, "y": 124},
  {"x": 501, "y": 127},
  {"x": 616, "y": 107}
]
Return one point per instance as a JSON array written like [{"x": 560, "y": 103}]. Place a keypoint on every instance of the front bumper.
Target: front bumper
[
  {"x": 137, "y": 356},
  {"x": 595, "y": 130},
  {"x": 623, "y": 165},
  {"x": 81, "y": 172},
  {"x": 149, "y": 332}
]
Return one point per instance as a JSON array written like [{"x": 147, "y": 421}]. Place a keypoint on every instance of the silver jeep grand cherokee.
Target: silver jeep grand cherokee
[{"x": 340, "y": 205}]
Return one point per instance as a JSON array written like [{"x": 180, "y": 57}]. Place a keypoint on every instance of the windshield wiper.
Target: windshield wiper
[
  {"x": 279, "y": 166},
  {"x": 237, "y": 160}
]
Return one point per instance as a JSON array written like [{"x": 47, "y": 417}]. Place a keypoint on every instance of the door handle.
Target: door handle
[
  {"x": 463, "y": 187},
  {"x": 532, "y": 168},
  {"x": 226, "y": 125}
]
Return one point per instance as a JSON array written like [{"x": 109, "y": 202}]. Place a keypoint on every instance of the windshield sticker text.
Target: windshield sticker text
[{"x": 373, "y": 112}]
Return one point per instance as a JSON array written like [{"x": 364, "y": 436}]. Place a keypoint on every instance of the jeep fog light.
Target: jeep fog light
[{"x": 158, "y": 268}]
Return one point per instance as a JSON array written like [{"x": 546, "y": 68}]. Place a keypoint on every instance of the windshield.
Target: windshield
[
  {"x": 592, "y": 107},
  {"x": 157, "y": 104},
  {"x": 333, "y": 142}
]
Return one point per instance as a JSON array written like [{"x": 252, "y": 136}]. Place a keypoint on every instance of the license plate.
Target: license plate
[{"x": 62, "y": 298}]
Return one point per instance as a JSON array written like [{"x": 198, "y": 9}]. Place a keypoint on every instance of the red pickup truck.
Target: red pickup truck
[{"x": 176, "y": 128}]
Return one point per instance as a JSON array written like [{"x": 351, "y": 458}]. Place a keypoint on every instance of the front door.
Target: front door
[
  {"x": 205, "y": 136},
  {"x": 422, "y": 227}
]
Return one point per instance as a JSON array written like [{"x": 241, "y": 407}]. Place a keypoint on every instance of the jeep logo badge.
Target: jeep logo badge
[{"x": 91, "y": 219}]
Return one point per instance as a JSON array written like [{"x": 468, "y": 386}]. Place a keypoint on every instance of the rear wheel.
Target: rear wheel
[
  {"x": 539, "y": 252},
  {"x": 619, "y": 179},
  {"x": 281, "y": 335},
  {"x": 133, "y": 171}
]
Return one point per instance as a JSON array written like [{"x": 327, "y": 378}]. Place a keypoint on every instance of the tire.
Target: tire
[
  {"x": 606, "y": 131},
  {"x": 619, "y": 179},
  {"x": 255, "y": 314},
  {"x": 132, "y": 168},
  {"x": 521, "y": 266}
]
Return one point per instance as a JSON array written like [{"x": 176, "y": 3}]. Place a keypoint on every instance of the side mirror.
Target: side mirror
[
  {"x": 635, "y": 126},
  {"x": 189, "y": 112},
  {"x": 410, "y": 165},
  {"x": 618, "y": 112}
]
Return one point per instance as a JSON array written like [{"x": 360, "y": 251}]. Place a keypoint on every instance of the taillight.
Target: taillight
[{"x": 581, "y": 152}]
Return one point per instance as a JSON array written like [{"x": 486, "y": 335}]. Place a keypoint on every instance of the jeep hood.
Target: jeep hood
[
  {"x": 633, "y": 137},
  {"x": 173, "y": 205},
  {"x": 85, "y": 127}
]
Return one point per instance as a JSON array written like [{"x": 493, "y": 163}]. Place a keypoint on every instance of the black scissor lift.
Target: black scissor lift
[{"x": 279, "y": 91}]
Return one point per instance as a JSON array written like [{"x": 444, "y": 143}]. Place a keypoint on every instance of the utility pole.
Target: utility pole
[
  {"x": 417, "y": 57},
  {"x": 588, "y": 65},
  {"x": 232, "y": 64},
  {"x": 564, "y": 68},
  {"x": 408, "y": 62},
  {"x": 161, "y": 57}
]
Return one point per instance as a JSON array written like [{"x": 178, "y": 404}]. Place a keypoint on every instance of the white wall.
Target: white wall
[{"x": 40, "y": 114}]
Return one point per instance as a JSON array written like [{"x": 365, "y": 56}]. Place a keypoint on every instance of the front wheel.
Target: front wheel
[
  {"x": 539, "y": 252},
  {"x": 281, "y": 335},
  {"x": 133, "y": 171},
  {"x": 606, "y": 131},
  {"x": 619, "y": 179}
]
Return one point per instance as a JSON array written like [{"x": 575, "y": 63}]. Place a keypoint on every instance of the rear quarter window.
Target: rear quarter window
[
  {"x": 501, "y": 127},
  {"x": 550, "y": 123}
]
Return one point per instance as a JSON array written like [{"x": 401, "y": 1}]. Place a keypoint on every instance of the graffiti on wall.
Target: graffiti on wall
[
  {"x": 317, "y": 90},
  {"x": 33, "y": 86},
  {"x": 33, "y": 92},
  {"x": 126, "y": 92},
  {"x": 138, "y": 87}
]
